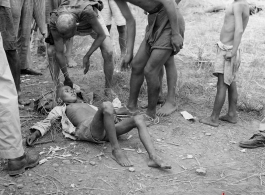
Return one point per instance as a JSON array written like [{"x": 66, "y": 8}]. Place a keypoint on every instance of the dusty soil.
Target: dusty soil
[{"x": 86, "y": 168}]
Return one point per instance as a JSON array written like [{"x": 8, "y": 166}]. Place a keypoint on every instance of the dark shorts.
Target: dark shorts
[{"x": 158, "y": 30}]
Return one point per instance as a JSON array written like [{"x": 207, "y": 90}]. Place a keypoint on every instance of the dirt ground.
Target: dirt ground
[{"x": 85, "y": 168}]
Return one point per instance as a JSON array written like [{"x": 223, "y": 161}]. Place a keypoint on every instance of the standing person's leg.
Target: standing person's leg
[
  {"x": 152, "y": 70},
  {"x": 53, "y": 65},
  {"x": 213, "y": 120},
  {"x": 10, "y": 46},
  {"x": 137, "y": 78},
  {"x": 24, "y": 38},
  {"x": 138, "y": 122},
  {"x": 121, "y": 25},
  {"x": 10, "y": 132},
  {"x": 122, "y": 39},
  {"x": 231, "y": 115},
  {"x": 170, "y": 104},
  {"x": 107, "y": 54}
]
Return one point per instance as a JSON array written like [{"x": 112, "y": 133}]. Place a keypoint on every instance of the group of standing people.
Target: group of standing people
[{"x": 163, "y": 39}]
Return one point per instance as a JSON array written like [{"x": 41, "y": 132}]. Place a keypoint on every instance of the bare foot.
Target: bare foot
[
  {"x": 157, "y": 162},
  {"x": 167, "y": 109},
  {"x": 121, "y": 158},
  {"x": 209, "y": 121},
  {"x": 229, "y": 119}
]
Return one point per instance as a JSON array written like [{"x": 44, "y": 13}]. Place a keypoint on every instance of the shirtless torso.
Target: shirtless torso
[
  {"x": 77, "y": 113},
  {"x": 229, "y": 27}
]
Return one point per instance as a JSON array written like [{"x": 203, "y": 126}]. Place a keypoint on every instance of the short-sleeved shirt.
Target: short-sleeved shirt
[{"x": 82, "y": 10}]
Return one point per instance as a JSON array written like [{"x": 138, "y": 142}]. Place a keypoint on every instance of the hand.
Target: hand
[
  {"x": 86, "y": 63},
  {"x": 32, "y": 138},
  {"x": 177, "y": 42},
  {"x": 229, "y": 56},
  {"x": 126, "y": 61}
]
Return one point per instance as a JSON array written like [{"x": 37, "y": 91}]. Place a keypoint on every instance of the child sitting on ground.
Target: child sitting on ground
[
  {"x": 81, "y": 121},
  {"x": 227, "y": 61}
]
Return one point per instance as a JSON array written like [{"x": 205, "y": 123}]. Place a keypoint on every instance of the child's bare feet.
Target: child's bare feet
[
  {"x": 209, "y": 121},
  {"x": 121, "y": 158},
  {"x": 157, "y": 162},
  {"x": 230, "y": 119},
  {"x": 167, "y": 109}
]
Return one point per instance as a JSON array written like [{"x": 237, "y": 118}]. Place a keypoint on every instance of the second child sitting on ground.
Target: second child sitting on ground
[{"x": 83, "y": 122}]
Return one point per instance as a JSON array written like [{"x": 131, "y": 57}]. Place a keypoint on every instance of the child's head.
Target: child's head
[{"x": 66, "y": 94}]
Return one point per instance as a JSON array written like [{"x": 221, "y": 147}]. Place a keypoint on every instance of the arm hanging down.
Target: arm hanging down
[
  {"x": 131, "y": 30},
  {"x": 97, "y": 42}
]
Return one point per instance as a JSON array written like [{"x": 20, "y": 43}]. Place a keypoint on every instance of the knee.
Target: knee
[
  {"x": 107, "y": 108},
  {"x": 149, "y": 73},
  {"x": 106, "y": 49},
  {"x": 139, "y": 119}
]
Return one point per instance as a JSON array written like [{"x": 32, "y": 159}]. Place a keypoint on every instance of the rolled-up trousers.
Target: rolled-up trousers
[
  {"x": 10, "y": 131},
  {"x": 22, "y": 11}
]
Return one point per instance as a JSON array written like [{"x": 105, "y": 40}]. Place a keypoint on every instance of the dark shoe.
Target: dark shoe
[
  {"x": 19, "y": 165},
  {"x": 29, "y": 72},
  {"x": 257, "y": 140}
]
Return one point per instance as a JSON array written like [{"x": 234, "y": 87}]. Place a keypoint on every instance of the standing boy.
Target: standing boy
[
  {"x": 163, "y": 38},
  {"x": 227, "y": 62}
]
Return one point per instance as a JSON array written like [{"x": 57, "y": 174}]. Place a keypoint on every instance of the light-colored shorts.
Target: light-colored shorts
[
  {"x": 83, "y": 132},
  {"x": 228, "y": 68},
  {"x": 111, "y": 10}
]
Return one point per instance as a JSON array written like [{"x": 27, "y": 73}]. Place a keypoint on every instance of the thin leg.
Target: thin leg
[
  {"x": 53, "y": 65},
  {"x": 170, "y": 104},
  {"x": 152, "y": 70},
  {"x": 104, "y": 119},
  {"x": 231, "y": 116},
  {"x": 107, "y": 54},
  {"x": 137, "y": 78},
  {"x": 138, "y": 122},
  {"x": 122, "y": 39},
  {"x": 213, "y": 120}
]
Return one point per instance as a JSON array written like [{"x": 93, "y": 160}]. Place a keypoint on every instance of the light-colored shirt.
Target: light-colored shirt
[{"x": 68, "y": 129}]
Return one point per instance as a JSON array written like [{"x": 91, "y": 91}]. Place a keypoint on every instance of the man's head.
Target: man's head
[
  {"x": 66, "y": 25},
  {"x": 66, "y": 94}
]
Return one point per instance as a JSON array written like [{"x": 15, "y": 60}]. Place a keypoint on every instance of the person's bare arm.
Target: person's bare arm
[
  {"x": 131, "y": 29},
  {"x": 59, "y": 49},
  {"x": 238, "y": 14},
  {"x": 176, "y": 38},
  {"x": 239, "y": 29},
  {"x": 97, "y": 42}
]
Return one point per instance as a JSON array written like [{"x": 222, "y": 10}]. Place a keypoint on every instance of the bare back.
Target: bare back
[
  {"x": 229, "y": 26},
  {"x": 77, "y": 113}
]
